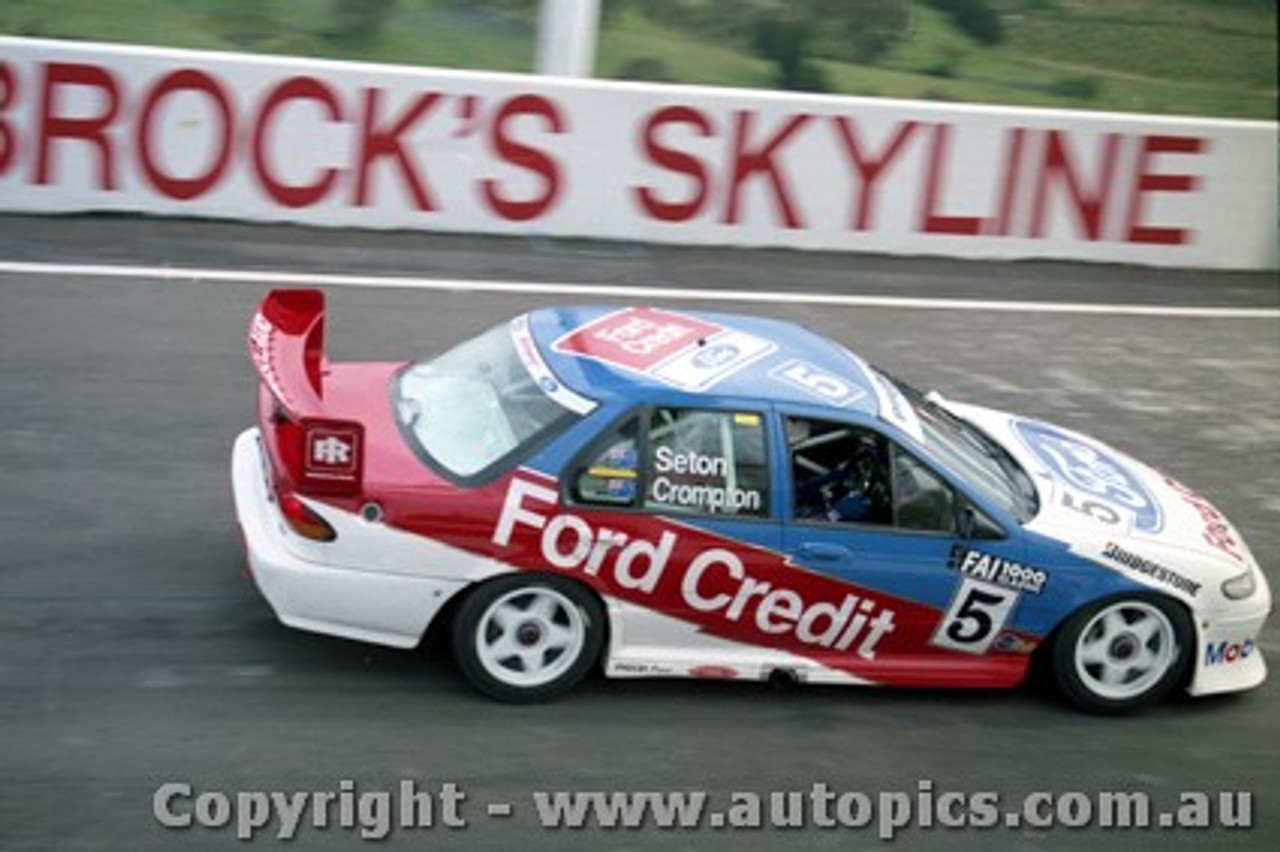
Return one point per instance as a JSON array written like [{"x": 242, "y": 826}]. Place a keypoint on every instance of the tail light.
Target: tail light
[
  {"x": 315, "y": 457},
  {"x": 303, "y": 520}
]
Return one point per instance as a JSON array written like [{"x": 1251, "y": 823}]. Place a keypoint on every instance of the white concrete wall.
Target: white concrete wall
[{"x": 87, "y": 127}]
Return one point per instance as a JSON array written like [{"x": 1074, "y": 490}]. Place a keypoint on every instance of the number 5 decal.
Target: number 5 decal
[
  {"x": 975, "y": 616},
  {"x": 827, "y": 387}
]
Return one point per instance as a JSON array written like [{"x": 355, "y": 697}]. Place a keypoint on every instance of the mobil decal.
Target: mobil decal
[{"x": 1228, "y": 653}]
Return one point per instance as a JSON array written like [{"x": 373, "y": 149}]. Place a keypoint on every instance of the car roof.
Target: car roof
[{"x": 649, "y": 354}]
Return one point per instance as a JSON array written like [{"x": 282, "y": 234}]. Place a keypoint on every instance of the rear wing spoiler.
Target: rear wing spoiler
[
  {"x": 321, "y": 454},
  {"x": 286, "y": 345}
]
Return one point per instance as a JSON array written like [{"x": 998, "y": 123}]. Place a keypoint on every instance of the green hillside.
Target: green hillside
[{"x": 1200, "y": 57}]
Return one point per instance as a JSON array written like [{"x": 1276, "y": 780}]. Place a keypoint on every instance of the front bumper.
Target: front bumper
[
  {"x": 307, "y": 592},
  {"x": 1229, "y": 655}
]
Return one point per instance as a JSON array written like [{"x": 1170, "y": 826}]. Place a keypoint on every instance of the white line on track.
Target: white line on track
[{"x": 637, "y": 293}]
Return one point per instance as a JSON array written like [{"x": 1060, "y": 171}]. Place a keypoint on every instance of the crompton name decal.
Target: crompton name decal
[
  {"x": 1155, "y": 570},
  {"x": 711, "y": 586},
  {"x": 712, "y": 492}
]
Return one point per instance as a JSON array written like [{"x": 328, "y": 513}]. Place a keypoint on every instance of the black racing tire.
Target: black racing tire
[
  {"x": 1123, "y": 653},
  {"x": 524, "y": 638}
]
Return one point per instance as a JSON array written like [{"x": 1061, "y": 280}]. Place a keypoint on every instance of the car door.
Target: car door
[
  {"x": 692, "y": 484},
  {"x": 899, "y": 544}
]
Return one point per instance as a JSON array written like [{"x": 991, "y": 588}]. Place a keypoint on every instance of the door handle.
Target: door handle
[{"x": 825, "y": 552}]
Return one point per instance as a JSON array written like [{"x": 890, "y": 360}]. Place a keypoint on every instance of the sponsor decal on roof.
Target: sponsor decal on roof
[
  {"x": 680, "y": 350},
  {"x": 1093, "y": 470},
  {"x": 818, "y": 383}
]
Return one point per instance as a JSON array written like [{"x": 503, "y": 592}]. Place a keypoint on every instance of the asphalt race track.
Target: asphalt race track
[{"x": 134, "y": 653}]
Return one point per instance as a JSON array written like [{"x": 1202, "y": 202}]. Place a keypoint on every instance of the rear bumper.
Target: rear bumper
[{"x": 311, "y": 593}]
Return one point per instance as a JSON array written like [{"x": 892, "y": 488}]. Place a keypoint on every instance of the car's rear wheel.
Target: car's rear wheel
[
  {"x": 524, "y": 638},
  {"x": 1122, "y": 654}
]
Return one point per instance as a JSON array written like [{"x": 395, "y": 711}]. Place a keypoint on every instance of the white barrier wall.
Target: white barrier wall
[{"x": 96, "y": 127}]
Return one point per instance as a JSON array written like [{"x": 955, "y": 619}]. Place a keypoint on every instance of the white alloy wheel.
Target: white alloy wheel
[
  {"x": 528, "y": 638},
  {"x": 1125, "y": 649},
  {"x": 1123, "y": 653}
]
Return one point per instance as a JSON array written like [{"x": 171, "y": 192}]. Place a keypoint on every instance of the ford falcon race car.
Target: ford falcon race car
[{"x": 703, "y": 495}]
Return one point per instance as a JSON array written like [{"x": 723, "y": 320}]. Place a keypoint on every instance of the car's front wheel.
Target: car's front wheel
[
  {"x": 1122, "y": 654},
  {"x": 524, "y": 638}
]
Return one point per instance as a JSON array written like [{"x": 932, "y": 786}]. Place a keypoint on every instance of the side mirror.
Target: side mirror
[{"x": 972, "y": 524}]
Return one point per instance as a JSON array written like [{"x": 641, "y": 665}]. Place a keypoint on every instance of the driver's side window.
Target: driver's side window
[
  {"x": 839, "y": 472},
  {"x": 848, "y": 474}
]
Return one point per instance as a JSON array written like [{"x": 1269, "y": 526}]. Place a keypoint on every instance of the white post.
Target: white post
[{"x": 567, "y": 31}]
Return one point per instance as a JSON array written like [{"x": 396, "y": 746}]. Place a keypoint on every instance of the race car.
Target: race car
[{"x": 666, "y": 493}]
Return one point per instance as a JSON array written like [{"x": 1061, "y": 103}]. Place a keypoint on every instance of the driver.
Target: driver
[{"x": 851, "y": 492}]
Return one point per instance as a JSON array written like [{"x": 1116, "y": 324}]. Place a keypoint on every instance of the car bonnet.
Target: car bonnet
[{"x": 1091, "y": 491}]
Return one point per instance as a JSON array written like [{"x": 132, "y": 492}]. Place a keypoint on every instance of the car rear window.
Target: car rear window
[{"x": 476, "y": 406}]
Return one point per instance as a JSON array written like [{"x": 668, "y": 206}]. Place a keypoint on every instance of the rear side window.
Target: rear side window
[
  {"x": 609, "y": 473},
  {"x": 681, "y": 460}
]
